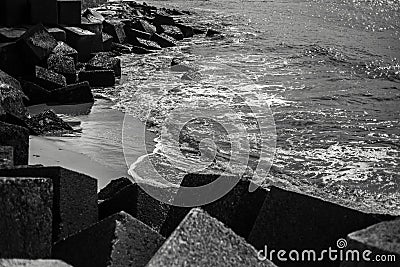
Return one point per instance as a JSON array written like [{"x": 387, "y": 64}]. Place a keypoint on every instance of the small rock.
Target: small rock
[{"x": 48, "y": 123}]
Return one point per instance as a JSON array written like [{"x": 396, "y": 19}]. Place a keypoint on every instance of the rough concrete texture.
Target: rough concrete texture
[
  {"x": 32, "y": 263},
  {"x": 172, "y": 31},
  {"x": 115, "y": 28},
  {"x": 74, "y": 197},
  {"x": 104, "y": 61},
  {"x": 291, "y": 219},
  {"x": 65, "y": 50},
  {"x": 61, "y": 64},
  {"x": 26, "y": 217},
  {"x": 37, "y": 44},
  {"x": 48, "y": 123},
  {"x": 74, "y": 94},
  {"x": 135, "y": 201},
  {"x": 11, "y": 95},
  {"x": 6, "y": 156},
  {"x": 238, "y": 209},
  {"x": 58, "y": 34},
  {"x": 18, "y": 138},
  {"x": 119, "y": 240},
  {"x": 97, "y": 78},
  {"x": 201, "y": 240},
  {"x": 381, "y": 239},
  {"x": 163, "y": 40},
  {"x": 35, "y": 93},
  {"x": 151, "y": 45},
  {"x": 48, "y": 79},
  {"x": 132, "y": 34}
]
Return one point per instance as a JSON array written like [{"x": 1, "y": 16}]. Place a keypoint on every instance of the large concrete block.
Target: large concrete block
[
  {"x": 74, "y": 197},
  {"x": 377, "y": 245},
  {"x": 115, "y": 28},
  {"x": 69, "y": 12},
  {"x": 18, "y": 138},
  {"x": 57, "y": 33},
  {"x": 113, "y": 187},
  {"x": 43, "y": 11},
  {"x": 26, "y": 217},
  {"x": 172, "y": 31},
  {"x": 300, "y": 219},
  {"x": 12, "y": 60},
  {"x": 201, "y": 240},
  {"x": 48, "y": 79},
  {"x": 78, "y": 93},
  {"x": 35, "y": 93},
  {"x": 64, "y": 65},
  {"x": 119, "y": 240},
  {"x": 14, "y": 12},
  {"x": 163, "y": 40},
  {"x": 6, "y": 156},
  {"x": 238, "y": 209},
  {"x": 135, "y": 201},
  {"x": 65, "y": 50},
  {"x": 81, "y": 40},
  {"x": 103, "y": 61},
  {"x": 32, "y": 263},
  {"x": 98, "y": 78},
  {"x": 11, "y": 96},
  {"x": 37, "y": 44}
]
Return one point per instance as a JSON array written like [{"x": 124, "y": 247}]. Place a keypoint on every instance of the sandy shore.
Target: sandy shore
[{"x": 96, "y": 151}]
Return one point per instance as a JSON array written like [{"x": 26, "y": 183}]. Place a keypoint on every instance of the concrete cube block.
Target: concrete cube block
[
  {"x": 81, "y": 40},
  {"x": 172, "y": 31},
  {"x": 97, "y": 78},
  {"x": 48, "y": 79},
  {"x": 115, "y": 28},
  {"x": 26, "y": 217},
  {"x": 37, "y": 44},
  {"x": 148, "y": 44},
  {"x": 43, "y": 11},
  {"x": 113, "y": 187},
  {"x": 35, "y": 93},
  {"x": 201, "y": 240},
  {"x": 163, "y": 40},
  {"x": 143, "y": 26},
  {"x": 107, "y": 41},
  {"x": 69, "y": 12},
  {"x": 32, "y": 263},
  {"x": 187, "y": 31},
  {"x": 135, "y": 201},
  {"x": 64, "y": 65},
  {"x": 12, "y": 60},
  {"x": 18, "y": 138},
  {"x": 65, "y": 50},
  {"x": 238, "y": 209},
  {"x": 103, "y": 61},
  {"x": 74, "y": 197},
  {"x": 6, "y": 156},
  {"x": 132, "y": 34},
  {"x": 57, "y": 33},
  {"x": 298, "y": 218},
  {"x": 382, "y": 241},
  {"x": 119, "y": 240},
  {"x": 73, "y": 94}
]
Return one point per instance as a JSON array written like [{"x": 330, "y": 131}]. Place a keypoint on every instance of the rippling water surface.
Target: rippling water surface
[{"x": 327, "y": 70}]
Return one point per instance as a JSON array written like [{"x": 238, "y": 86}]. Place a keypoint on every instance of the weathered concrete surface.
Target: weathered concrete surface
[
  {"x": 48, "y": 79},
  {"x": 81, "y": 40},
  {"x": 18, "y": 138},
  {"x": 381, "y": 239},
  {"x": 238, "y": 209},
  {"x": 37, "y": 44},
  {"x": 26, "y": 217},
  {"x": 172, "y": 31},
  {"x": 69, "y": 12},
  {"x": 97, "y": 78},
  {"x": 92, "y": 3},
  {"x": 119, "y": 240},
  {"x": 73, "y": 94},
  {"x": 64, "y": 65},
  {"x": 32, "y": 263},
  {"x": 57, "y": 33},
  {"x": 11, "y": 96},
  {"x": 104, "y": 61},
  {"x": 11, "y": 34},
  {"x": 163, "y": 40},
  {"x": 48, "y": 123},
  {"x": 135, "y": 201},
  {"x": 6, "y": 156},
  {"x": 297, "y": 218},
  {"x": 115, "y": 28},
  {"x": 43, "y": 11},
  {"x": 201, "y": 240},
  {"x": 65, "y": 50},
  {"x": 74, "y": 197}
]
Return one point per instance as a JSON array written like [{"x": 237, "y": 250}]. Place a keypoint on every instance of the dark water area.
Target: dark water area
[{"x": 327, "y": 71}]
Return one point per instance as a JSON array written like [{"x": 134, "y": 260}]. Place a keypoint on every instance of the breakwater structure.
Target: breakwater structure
[{"x": 54, "y": 52}]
